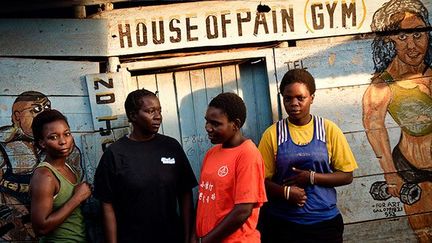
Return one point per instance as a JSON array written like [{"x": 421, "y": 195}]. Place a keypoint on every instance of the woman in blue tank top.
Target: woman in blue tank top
[{"x": 305, "y": 157}]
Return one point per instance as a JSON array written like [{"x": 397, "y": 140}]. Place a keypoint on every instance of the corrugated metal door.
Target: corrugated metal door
[{"x": 184, "y": 96}]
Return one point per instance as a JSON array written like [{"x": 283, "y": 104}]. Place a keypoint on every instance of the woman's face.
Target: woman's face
[
  {"x": 219, "y": 128},
  {"x": 57, "y": 139},
  {"x": 411, "y": 47},
  {"x": 149, "y": 117},
  {"x": 297, "y": 101}
]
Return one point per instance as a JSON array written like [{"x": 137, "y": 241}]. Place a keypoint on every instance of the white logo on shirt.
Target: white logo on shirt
[
  {"x": 167, "y": 160},
  {"x": 223, "y": 171},
  {"x": 206, "y": 194}
]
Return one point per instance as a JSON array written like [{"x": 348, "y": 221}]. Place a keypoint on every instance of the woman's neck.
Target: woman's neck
[
  {"x": 301, "y": 122},
  {"x": 235, "y": 141},
  {"x": 56, "y": 162},
  {"x": 401, "y": 70},
  {"x": 140, "y": 137}
]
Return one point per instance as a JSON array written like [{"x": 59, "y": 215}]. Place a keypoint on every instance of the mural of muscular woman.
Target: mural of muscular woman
[{"x": 402, "y": 87}]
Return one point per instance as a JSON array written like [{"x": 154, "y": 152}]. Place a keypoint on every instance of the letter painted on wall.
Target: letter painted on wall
[
  {"x": 107, "y": 93},
  {"x": 401, "y": 88},
  {"x": 18, "y": 158}
]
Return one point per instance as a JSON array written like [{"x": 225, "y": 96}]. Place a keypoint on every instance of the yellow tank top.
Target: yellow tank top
[{"x": 410, "y": 108}]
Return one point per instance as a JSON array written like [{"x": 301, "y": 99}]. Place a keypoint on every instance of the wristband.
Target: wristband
[
  {"x": 312, "y": 177},
  {"x": 286, "y": 192}
]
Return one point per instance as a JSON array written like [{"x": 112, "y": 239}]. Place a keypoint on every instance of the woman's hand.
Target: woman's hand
[
  {"x": 297, "y": 195},
  {"x": 82, "y": 191},
  {"x": 394, "y": 183},
  {"x": 300, "y": 179}
]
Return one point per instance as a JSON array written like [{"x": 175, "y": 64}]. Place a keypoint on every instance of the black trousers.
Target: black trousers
[{"x": 274, "y": 230}]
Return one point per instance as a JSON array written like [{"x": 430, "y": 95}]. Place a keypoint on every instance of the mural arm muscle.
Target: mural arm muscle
[{"x": 375, "y": 102}]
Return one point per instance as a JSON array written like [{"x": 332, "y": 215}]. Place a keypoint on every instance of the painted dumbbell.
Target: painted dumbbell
[
  {"x": 409, "y": 192},
  {"x": 379, "y": 192}
]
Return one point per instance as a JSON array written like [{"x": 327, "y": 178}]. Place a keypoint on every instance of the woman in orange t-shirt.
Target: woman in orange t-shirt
[{"x": 231, "y": 187}]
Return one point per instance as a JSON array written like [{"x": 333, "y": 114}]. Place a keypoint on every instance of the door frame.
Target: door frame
[{"x": 267, "y": 54}]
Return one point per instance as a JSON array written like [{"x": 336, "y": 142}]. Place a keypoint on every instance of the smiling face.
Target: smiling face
[
  {"x": 219, "y": 129},
  {"x": 297, "y": 101},
  {"x": 411, "y": 47},
  {"x": 57, "y": 139},
  {"x": 148, "y": 118}
]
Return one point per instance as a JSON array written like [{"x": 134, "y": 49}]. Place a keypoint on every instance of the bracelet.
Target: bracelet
[
  {"x": 391, "y": 185},
  {"x": 312, "y": 177},
  {"x": 286, "y": 192}
]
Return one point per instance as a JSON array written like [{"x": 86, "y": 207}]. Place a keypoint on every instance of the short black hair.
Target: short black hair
[
  {"x": 46, "y": 116},
  {"x": 30, "y": 96},
  {"x": 298, "y": 76},
  {"x": 133, "y": 101},
  {"x": 232, "y": 105}
]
